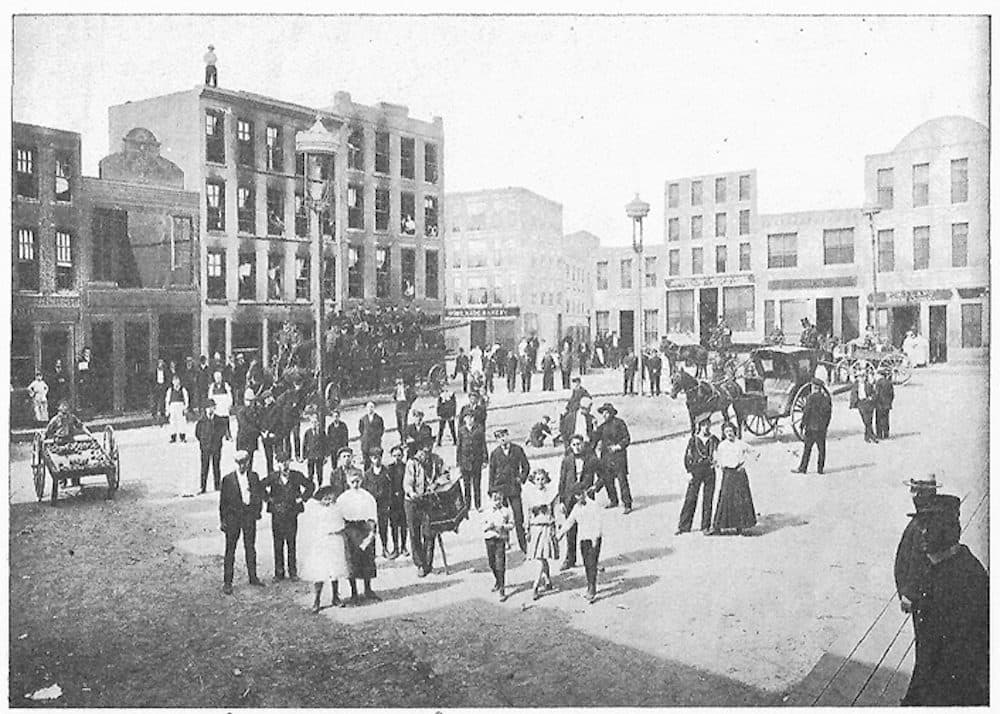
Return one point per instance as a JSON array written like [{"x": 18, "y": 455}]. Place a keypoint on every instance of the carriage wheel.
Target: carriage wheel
[
  {"x": 864, "y": 367},
  {"x": 38, "y": 466},
  {"x": 436, "y": 378},
  {"x": 759, "y": 424},
  {"x": 114, "y": 476},
  {"x": 902, "y": 369},
  {"x": 798, "y": 407},
  {"x": 842, "y": 371}
]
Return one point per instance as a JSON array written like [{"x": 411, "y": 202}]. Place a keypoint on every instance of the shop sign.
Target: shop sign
[
  {"x": 844, "y": 281},
  {"x": 972, "y": 293},
  {"x": 910, "y": 296},
  {"x": 481, "y": 312},
  {"x": 710, "y": 281}
]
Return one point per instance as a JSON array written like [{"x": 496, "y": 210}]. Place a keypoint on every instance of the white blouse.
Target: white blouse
[{"x": 733, "y": 454}]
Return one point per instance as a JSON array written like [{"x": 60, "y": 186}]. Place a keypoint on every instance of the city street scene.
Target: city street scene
[{"x": 499, "y": 361}]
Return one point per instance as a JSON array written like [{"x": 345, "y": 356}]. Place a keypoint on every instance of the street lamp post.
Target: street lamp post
[
  {"x": 871, "y": 212},
  {"x": 637, "y": 209},
  {"x": 315, "y": 144}
]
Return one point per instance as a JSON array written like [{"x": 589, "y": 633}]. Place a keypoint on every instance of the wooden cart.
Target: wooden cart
[{"x": 71, "y": 460}]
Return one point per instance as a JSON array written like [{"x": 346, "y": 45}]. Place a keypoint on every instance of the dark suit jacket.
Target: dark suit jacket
[
  {"x": 816, "y": 413},
  {"x": 568, "y": 424},
  {"x": 613, "y": 432},
  {"x": 869, "y": 403},
  {"x": 314, "y": 444},
  {"x": 574, "y": 398},
  {"x": 569, "y": 484},
  {"x": 508, "y": 471},
  {"x": 478, "y": 414},
  {"x": 371, "y": 430},
  {"x": 699, "y": 456},
  {"x": 421, "y": 434},
  {"x": 336, "y": 437},
  {"x": 286, "y": 499},
  {"x": 232, "y": 510},
  {"x": 248, "y": 428},
  {"x": 209, "y": 434},
  {"x": 471, "y": 451},
  {"x": 884, "y": 393}
]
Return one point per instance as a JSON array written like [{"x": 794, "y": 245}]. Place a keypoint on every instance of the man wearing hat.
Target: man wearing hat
[
  {"x": 248, "y": 425},
  {"x": 240, "y": 500},
  {"x": 271, "y": 423},
  {"x": 477, "y": 407},
  {"x": 578, "y": 421},
  {"x": 211, "y": 73},
  {"x": 421, "y": 476},
  {"x": 370, "y": 428},
  {"x": 337, "y": 438},
  {"x": 509, "y": 469},
  {"x": 630, "y": 365},
  {"x": 578, "y": 472},
  {"x": 816, "y": 413},
  {"x": 951, "y": 613},
  {"x": 416, "y": 433},
  {"x": 340, "y": 473},
  {"x": 578, "y": 393},
  {"x": 210, "y": 432},
  {"x": 699, "y": 460},
  {"x": 285, "y": 491},
  {"x": 611, "y": 440},
  {"x": 884, "y": 394},
  {"x": 911, "y": 562}
]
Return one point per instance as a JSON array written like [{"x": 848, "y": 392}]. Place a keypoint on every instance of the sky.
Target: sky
[{"x": 586, "y": 111}]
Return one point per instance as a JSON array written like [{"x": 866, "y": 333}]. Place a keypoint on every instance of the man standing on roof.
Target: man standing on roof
[{"x": 211, "y": 74}]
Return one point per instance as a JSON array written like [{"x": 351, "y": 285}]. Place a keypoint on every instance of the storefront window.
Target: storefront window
[
  {"x": 680, "y": 311},
  {"x": 972, "y": 325},
  {"x": 738, "y": 306}
]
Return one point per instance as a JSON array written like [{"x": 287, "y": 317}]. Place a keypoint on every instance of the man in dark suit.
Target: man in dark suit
[
  {"x": 210, "y": 434},
  {"x": 336, "y": 437},
  {"x": 863, "y": 399},
  {"x": 240, "y": 500},
  {"x": 526, "y": 367},
  {"x": 272, "y": 425},
  {"x": 910, "y": 569},
  {"x": 285, "y": 491},
  {"x": 630, "y": 365},
  {"x": 476, "y": 407},
  {"x": 509, "y": 469},
  {"x": 654, "y": 367},
  {"x": 611, "y": 440},
  {"x": 577, "y": 473},
  {"x": 884, "y": 394},
  {"x": 815, "y": 421},
  {"x": 462, "y": 368},
  {"x": 248, "y": 427},
  {"x": 511, "y": 370},
  {"x": 471, "y": 454},
  {"x": 578, "y": 393},
  {"x": 371, "y": 428},
  {"x": 577, "y": 421},
  {"x": 416, "y": 434}
]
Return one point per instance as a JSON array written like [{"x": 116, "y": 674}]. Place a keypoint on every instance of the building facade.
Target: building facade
[
  {"x": 381, "y": 238},
  {"x": 45, "y": 261},
  {"x": 617, "y": 281},
  {"x": 505, "y": 268},
  {"x": 578, "y": 275}
]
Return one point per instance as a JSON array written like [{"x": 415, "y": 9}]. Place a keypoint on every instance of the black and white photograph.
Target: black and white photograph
[{"x": 478, "y": 358}]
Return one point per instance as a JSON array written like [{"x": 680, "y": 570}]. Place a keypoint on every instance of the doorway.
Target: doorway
[
  {"x": 55, "y": 345},
  {"x": 850, "y": 316},
  {"x": 903, "y": 319},
  {"x": 626, "y": 330},
  {"x": 477, "y": 334},
  {"x": 101, "y": 398},
  {"x": 708, "y": 312},
  {"x": 938, "y": 336},
  {"x": 137, "y": 367},
  {"x": 824, "y": 316}
]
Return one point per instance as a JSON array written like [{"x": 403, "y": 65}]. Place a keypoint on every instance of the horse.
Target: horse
[
  {"x": 702, "y": 396},
  {"x": 689, "y": 354}
]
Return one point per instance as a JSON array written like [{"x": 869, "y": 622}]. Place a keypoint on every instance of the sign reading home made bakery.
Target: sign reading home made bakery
[{"x": 479, "y": 312}]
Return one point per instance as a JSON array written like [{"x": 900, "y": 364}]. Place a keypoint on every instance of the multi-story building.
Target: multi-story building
[
  {"x": 139, "y": 249},
  {"x": 578, "y": 286},
  {"x": 381, "y": 239},
  {"x": 505, "y": 267},
  {"x": 45, "y": 222},
  {"x": 616, "y": 284}
]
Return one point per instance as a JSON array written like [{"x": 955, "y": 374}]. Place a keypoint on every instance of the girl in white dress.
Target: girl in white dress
[
  {"x": 322, "y": 553},
  {"x": 539, "y": 499}
]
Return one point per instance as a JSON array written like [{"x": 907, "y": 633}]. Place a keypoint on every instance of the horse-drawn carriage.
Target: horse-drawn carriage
[
  {"x": 857, "y": 357},
  {"x": 782, "y": 382},
  {"x": 73, "y": 458}
]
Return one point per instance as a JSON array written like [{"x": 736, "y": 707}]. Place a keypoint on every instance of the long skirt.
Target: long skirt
[
  {"x": 735, "y": 509},
  {"x": 543, "y": 544},
  {"x": 360, "y": 562}
]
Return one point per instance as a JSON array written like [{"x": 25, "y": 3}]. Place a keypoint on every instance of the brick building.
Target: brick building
[{"x": 381, "y": 241}]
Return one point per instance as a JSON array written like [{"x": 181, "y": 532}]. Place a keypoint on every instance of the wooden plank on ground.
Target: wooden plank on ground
[
  {"x": 900, "y": 681},
  {"x": 872, "y": 692}
]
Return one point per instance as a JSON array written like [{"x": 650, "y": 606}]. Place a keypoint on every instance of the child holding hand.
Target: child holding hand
[
  {"x": 587, "y": 516},
  {"x": 498, "y": 521}
]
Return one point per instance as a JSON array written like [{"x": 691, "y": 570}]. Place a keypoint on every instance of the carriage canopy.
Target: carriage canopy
[{"x": 796, "y": 364}]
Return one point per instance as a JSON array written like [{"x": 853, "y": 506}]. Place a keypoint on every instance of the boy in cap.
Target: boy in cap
[
  {"x": 540, "y": 432},
  {"x": 611, "y": 438},
  {"x": 285, "y": 491},
  {"x": 210, "y": 432},
  {"x": 240, "y": 502},
  {"x": 497, "y": 524},
  {"x": 416, "y": 434}
]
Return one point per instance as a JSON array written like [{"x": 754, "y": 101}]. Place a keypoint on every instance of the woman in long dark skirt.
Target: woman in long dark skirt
[
  {"x": 735, "y": 510},
  {"x": 360, "y": 511}
]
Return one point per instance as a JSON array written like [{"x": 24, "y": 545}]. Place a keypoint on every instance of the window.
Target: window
[
  {"x": 782, "y": 250},
  {"x": 886, "y": 251},
  {"x": 356, "y": 150},
  {"x": 275, "y": 276},
  {"x": 383, "y": 271},
  {"x": 921, "y": 247},
  {"x": 838, "y": 246},
  {"x": 884, "y": 181},
  {"x": 972, "y": 325},
  {"x": 697, "y": 261},
  {"x": 301, "y": 214},
  {"x": 695, "y": 227},
  {"x": 356, "y": 206},
  {"x": 680, "y": 311},
  {"x": 246, "y": 213},
  {"x": 651, "y": 327},
  {"x": 430, "y": 163},
  {"x": 275, "y": 154},
  {"x": 244, "y": 143},
  {"x": 300, "y": 165},
  {"x": 407, "y": 211},
  {"x": 477, "y": 292},
  {"x": 650, "y": 272},
  {"x": 26, "y": 182},
  {"x": 673, "y": 195},
  {"x": 408, "y": 273},
  {"x": 27, "y": 260},
  {"x": 602, "y": 321},
  {"x": 302, "y": 267},
  {"x": 744, "y": 256},
  {"x": 720, "y": 190},
  {"x": 430, "y": 216},
  {"x": 745, "y": 187},
  {"x": 959, "y": 245},
  {"x": 720, "y": 225},
  {"x": 959, "y": 180},
  {"x": 247, "y": 276},
  {"x": 745, "y": 222},
  {"x": 498, "y": 296},
  {"x": 626, "y": 273},
  {"x": 673, "y": 229},
  {"x": 181, "y": 247},
  {"x": 407, "y": 157},
  {"x": 63, "y": 173},
  {"x": 275, "y": 210},
  {"x": 381, "y": 152},
  {"x": 921, "y": 184},
  {"x": 431, "y": 273},
  {"x": 64, "y": 260},
  {"x": 696, "y": 193},
  {"x": 720, "y": 258},
  {"x": 601, "y": 275},
  {"x": 738, "y": 308},
  {"x": 381, "y": 209},
  {"x": 329, "y": 277},
  {"x": 215, "y": 204},
  {"x": 215, "y": 136},
  {"x": 215, "y": 271},
  {"x": 674, "y": 262}
]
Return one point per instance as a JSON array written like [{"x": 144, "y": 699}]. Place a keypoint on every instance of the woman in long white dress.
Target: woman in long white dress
[
  {"x": 735, "y": 510},
  {"x": 322, "y": 553}
]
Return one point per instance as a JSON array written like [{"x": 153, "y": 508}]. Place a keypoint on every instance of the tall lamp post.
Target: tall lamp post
[
  {"x": 871, "y": 212},
  {"x": 637, "y": 209},
  {"x": 317, "y": 143}
]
